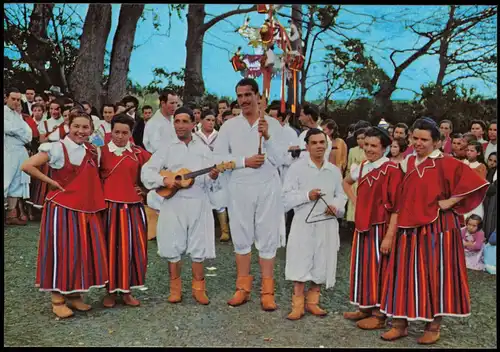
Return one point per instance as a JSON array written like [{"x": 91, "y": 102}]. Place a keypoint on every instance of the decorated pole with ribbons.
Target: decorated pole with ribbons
[{"x": 265, "y": 39}]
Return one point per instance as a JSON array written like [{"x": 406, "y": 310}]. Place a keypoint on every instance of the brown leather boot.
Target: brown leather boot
[
  {"x": 399, "y": 329},
  {"x": 75, "y": 301},
  {"x": 431, "y": 334},
  {"x": 356, "y": 315},
  {"x": 198, "y": 284},
  {"x": 267, "y": 295},
  {"x": 109, "y": 300},
  {"x": 371, "y": 323},
  {"x": 175, "y": 282},
  {"x": 297, "y": 308},
  {"x": 224, "y": 226},
  {"x": 152, "y": 218},
  {"x": 129, "y": 300},
  {"x": 59, "y": 306},
  {"x": 312, "y": 304},
  {"x": 243, "y": 289},
  {"x": 13, "y": 219}
]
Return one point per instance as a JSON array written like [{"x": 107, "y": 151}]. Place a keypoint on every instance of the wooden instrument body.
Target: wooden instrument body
[
  {"x": 177, "y": 176},
  {"x": 185, "y": 178}
]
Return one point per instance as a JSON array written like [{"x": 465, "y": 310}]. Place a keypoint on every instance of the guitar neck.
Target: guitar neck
[{"x": 199, "y": 172}]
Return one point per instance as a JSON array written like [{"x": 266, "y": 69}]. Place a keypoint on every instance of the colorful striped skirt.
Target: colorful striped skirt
[
  {"x": 39, "y": 189},
  {"x": 72, "y": 253},
  {"x": 368, "y": 266},
  {"x": 127, "y": 237},
  {"x": 427, "y": 275}
]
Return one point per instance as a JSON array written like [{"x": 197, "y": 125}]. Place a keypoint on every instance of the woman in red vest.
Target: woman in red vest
[
  {"x": 125, "y": 223},
  {"x": 376, "y": 222},
  {"x": 72, "y": 248},
  {"x": 426, "y": 275}
]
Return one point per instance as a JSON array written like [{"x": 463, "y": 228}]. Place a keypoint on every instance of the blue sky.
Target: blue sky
[{"x": 169, "y": 52}]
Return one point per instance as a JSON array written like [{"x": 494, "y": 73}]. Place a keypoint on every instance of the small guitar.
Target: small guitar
[{"x": 186, "y": 177}]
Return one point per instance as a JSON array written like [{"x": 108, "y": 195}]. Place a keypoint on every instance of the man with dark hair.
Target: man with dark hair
[
  {"x": 147, "y": 112},
  {"x": 160, "y": 129},
  {"x": 30, "y": 100},
  {"x": 254, "y": 191},
  {"x": 223, "y": 105},
  {"x": 313, "y": 188},
  {"x": 186, "y": 223},
  {"x": 400, "y": 130},
  {"x": 458, "y": 146},
  {"x": 308, "y": 118},
  {"x": 132, "y": 103},
  {"x": 17, "y": 134}
]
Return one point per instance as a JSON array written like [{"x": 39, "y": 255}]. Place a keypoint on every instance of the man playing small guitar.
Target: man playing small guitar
[{"x": 186, "y": 223}]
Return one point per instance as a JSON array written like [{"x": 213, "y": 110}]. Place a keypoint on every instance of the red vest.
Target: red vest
[
  {"x": 433, "y": 180},
  {"x": 34, "y": 127},
  {"x": 82, "y": 186},
  {"x": 377, "y": 195},
  {"x": 121, "y": 174}
]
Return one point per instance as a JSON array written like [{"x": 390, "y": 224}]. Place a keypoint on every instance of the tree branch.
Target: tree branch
[{"x": 220, "y": 17}]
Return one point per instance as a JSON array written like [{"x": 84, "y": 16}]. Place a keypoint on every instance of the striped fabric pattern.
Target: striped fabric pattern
[
  {"x": 39, "y": 189},
  {"x": 71, "y": 251},
  {"x": 368, "y": 267},
  {"x": 127, "y": 238},
  {"x": 427, "y": 275}
]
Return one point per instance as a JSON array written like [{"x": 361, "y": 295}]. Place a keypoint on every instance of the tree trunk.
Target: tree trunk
[
  {"x": 297, "y": 19},
  {"x": 85, "y": 80},
  {"x": 194, "y": 87},
  {"x": 443, "y": 48},
  {"x": 123, "y": 43},
  {"x": 38, "y": 44}
]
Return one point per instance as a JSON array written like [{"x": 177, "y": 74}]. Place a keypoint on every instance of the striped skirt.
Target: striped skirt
[
  {"x": 127, "y": 237},
  {"x": 39, "y": 189},
  {"x": 427, "y": 275},
  {"x": 368, "y": 267},
  {"x": 72, "y": 254}
]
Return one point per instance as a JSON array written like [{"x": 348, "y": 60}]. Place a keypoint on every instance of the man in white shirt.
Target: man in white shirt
[
  {"x": 254, "y": 190},
  {"x": 159, "y": 129},
  {"x": 492, "y": 137},
  {"x": 30, "y": 100},
  {"x": 186, "y": 224},
  {"x": 309, "y": 116},
  {"x": 314, "y": 237},
  {"x": 17, "y": 133}
]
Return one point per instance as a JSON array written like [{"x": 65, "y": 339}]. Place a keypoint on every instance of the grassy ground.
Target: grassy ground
[{"x": 28, "y": 320}]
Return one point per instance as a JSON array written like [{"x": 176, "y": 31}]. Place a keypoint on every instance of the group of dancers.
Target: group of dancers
[{"x": 407, "y": 259}]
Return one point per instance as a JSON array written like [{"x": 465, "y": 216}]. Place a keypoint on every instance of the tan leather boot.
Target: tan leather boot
[
  {"x": 312, "y": 304},
  {"x": 243, "y": 289},
  {"x": 224, "y": 226},
  {"x": 129, "y": 300},
  {"x": 356, "y": 315},
  {"x": 109, "y": 300},
  {"x": 399, "y": 329},
  {"x": 376, "y": 321},
  {"x": 431, "y": 334},
  {"x": 297, "y": 308},
  {"x": 198, "y": 284},
  {"x": 267, "y": 295},
  {"x": 75, "y": 301},
  {"x": 152, "y": 217},
  {"x": 59, "y": 306},
  {"x": 175, "y": 282},
  {"x": 12, "y": 218}
]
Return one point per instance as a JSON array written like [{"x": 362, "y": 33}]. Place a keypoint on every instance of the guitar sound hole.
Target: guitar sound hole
[{"x": 178, "y": 178}]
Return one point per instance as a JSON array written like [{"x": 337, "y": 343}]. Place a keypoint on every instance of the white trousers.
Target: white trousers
[
  {"x": 186, "y": 225},
  {"x": 255, "y": 216}
]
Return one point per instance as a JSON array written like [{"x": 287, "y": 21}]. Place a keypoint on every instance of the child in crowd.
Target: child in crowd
[
  {"x": 473, "y": 240},
  {"x": 398, "y": 147},
  {"x": 475, "y": 160}
]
